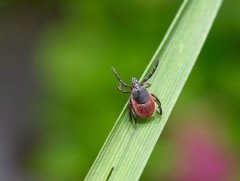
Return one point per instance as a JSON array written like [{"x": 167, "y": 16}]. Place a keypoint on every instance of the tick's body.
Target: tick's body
[
  {"x": 144, "y": 105},
  {"x": 141, "y": 101}
]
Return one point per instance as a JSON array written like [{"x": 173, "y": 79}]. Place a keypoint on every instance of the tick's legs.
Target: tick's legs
[
  {"x": 131, "y": 113},
  {"x": 158, "y": 103},
  {"x": 124, "y": 91},
  {"x": 120, "y": 80},
  {"x": 146, "y": 85},
  {"x": 152, "y": 72}
]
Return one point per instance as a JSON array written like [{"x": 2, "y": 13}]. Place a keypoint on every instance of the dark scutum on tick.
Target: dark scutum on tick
[
  {"x": 141, "y": 101},
  {"x": 140, "y": 95}
]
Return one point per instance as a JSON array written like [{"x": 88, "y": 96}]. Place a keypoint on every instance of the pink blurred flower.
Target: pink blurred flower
[{"x": 202, "y": 158}]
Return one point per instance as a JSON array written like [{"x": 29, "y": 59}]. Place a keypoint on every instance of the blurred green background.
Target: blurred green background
[{"x": 59, "y": 99}]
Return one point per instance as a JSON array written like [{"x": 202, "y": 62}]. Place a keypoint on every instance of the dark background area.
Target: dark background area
[{"x": 59, "y": 99}]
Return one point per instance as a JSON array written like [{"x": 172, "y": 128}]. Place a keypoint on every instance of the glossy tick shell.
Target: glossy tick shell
[{"x": 142, "y": 102}]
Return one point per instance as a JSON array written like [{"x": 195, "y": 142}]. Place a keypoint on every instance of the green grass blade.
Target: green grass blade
[{"x": 128, "y": 147}]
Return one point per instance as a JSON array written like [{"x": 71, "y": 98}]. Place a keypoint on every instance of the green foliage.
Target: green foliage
[
  {"x": 128, "y": 146},
  {"x": 80, "y": 100}
]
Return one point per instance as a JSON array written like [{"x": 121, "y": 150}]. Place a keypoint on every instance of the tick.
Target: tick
[{"x": 141, "y": 103}]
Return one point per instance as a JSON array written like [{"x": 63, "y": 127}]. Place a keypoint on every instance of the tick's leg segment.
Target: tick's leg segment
[
  {"x": 158, "y": 103},
  {"x": 152, "y": 72},
  {"x": 120, "y": 80},
  {"x": 146, "y": 85},
  {"x": 132, "y": 114},
  {"x": 124, "y": 91}
]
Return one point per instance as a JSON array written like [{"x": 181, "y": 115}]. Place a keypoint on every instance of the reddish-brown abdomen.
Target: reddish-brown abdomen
[{"x": 144, "y": 110}]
